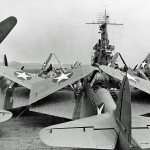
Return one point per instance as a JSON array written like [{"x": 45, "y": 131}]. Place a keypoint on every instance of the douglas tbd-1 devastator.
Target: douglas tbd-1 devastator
[
  {"x": 40, "y": 93},
  {"x": 19, "y": 88},
  {"x": 114, "y": 127}
]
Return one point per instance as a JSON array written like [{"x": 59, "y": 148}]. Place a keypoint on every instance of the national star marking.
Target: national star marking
[
  {"x": 143, "y": 64},
  {"x": 22, "y": 75},
  {"x": 62, "y": 77},
  {"x": 130, "y": 77},
  {"x": 109, "y": 64}
]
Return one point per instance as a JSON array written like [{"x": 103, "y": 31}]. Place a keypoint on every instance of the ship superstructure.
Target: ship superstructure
[{"x": 103, "y": 50}]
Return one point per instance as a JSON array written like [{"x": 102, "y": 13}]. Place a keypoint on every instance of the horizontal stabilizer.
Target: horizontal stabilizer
[
  {"x": 96, "y": 132},
  {"x": 5, "y": 115},
  {"x": 135, "y": 81}
]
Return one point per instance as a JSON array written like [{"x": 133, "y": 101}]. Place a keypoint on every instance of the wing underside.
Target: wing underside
[
  {"x": 60, "y": 103},
  {"x": 140, "y": 103}
]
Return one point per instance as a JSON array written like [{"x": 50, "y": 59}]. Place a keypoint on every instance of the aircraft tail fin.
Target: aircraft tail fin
[
  {"x": 6, "y": 26},
  {"x": 5, "y": 61},
  {"x": 123, "y": 110}
]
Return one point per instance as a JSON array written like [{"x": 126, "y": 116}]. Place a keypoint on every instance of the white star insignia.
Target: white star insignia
[
  {"x": 101, "y": 109},
  {"x": 62, "y": 77},
  {"x": 109, "y": 65},
  {"x": 22, "y": 75},
  {"x": 131, "y": 77},
  {"x": 143, "y": 64}
]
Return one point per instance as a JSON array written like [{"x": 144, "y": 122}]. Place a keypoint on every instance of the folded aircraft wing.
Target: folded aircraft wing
[
  {"x": 45, "y": 87},
  {"x": 96, "y": 132},
  {"x": 145, "y": 62},
  {"x": 41, "y": 87},
  {"x": 19, "y": 76},
  {"x": 135, "y": 81}
]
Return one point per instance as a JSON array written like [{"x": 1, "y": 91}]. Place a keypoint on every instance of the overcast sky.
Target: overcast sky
[{"x": 46, "y": 26}]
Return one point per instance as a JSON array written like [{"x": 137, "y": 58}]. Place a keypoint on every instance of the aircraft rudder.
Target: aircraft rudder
[
  {"x": 6, "y": 26},
  {"x": 123, "y": 110}
]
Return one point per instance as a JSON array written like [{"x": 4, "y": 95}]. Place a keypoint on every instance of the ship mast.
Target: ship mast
[{"x": 102, "y": 49}]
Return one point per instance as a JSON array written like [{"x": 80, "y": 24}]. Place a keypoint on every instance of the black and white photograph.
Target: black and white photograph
[{"x": 74, "y": 74}]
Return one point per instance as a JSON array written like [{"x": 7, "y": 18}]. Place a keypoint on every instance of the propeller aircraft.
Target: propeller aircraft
[
  {"x": 111, "y": 129},
  {"x": 140, "y": 94},
  {"x": 19, "y": 89},
  {"x": 144, "y": 68},
  {"x": 116, "y": 128},
  {"x": 142, "y": 71}
]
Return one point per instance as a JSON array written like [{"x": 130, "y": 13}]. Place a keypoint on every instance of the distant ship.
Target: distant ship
[{"x": 103, "y": 50}]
